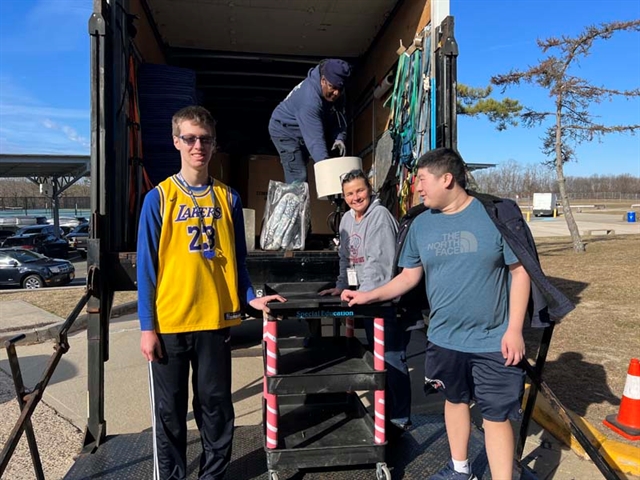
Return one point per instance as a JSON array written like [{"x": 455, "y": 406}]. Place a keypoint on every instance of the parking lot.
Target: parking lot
[{"x": 80, "y": 264}]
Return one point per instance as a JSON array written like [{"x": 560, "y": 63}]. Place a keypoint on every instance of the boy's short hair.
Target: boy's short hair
[
  {"x": 445, "y": 160},
  {"x": 195, "y": 114}
]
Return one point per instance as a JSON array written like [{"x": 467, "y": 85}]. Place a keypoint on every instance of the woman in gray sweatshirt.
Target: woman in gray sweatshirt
[{"x": 367, "y": 249}]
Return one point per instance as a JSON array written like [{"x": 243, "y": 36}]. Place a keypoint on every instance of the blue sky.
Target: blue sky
[
  {"x": 44, "y": 76},
  {"x": 495, "y": 36}
]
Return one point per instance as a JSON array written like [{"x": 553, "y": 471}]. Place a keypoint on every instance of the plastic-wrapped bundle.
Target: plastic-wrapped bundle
[{"x": 286, "y": 216}]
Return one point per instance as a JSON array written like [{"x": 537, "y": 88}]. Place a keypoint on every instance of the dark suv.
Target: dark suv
[
  {"x": 43, "y": 243},
  {"x": 6, "y": 233},
  {"x": 50, "y": 229},
  {"x": 77, "y": 238},
  {"x": 27, "y": 269}
]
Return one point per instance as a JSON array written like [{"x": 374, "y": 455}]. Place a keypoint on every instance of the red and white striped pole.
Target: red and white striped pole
[
  {"x": 270, "y": 337},
  {"x": 350, "y": 330},
  {"x": 379, "y": 397}
]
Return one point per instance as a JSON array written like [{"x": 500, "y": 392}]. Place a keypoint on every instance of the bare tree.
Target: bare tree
[
  {"x": 572, "y": 123},
  {"x": 511, "y": 178}
]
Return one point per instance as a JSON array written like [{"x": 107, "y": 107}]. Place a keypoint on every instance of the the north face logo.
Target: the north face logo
[{"x": 455, "y": 243}]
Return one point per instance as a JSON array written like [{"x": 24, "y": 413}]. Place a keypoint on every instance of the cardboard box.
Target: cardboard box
[
  {"x": 220, "y": 167},
  {"x": 253, "y": 177},
  {"x": 254, "y": 174}
]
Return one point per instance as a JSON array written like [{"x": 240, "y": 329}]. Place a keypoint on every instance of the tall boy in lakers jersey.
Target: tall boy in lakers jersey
[{"x": 192, "y": 282}]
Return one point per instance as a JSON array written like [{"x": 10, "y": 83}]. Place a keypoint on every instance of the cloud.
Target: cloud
[
  {"x": 43, "y": 111},
  {"x": 70, "y": 132},
  {"x": 27, "y": 125}
]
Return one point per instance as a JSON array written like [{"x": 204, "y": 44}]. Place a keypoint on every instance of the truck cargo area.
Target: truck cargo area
[{"x": 248, "y": 55}]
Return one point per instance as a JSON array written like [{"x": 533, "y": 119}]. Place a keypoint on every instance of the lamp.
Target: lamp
[{"x": 328, "y": 175}]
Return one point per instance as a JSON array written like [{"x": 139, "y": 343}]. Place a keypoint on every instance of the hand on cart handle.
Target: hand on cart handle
[
  {"x": 260, "y": 303},
  {"x": 355, "y": 298},
  {"x": 334, "y": 292}
]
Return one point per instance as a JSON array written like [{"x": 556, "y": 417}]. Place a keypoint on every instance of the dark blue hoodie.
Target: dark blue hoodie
[{"x": 306, "y": 115}]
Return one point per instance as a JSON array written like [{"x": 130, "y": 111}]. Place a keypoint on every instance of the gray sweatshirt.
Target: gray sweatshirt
[{"x": 369, "y": 245}]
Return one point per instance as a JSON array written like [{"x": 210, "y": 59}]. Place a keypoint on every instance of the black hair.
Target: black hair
[
  {"x": 445, "y": 160},
  {"x": 354, "y": 175}
]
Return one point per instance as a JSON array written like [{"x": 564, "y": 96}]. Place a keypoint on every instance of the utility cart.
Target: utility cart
[{"x": 313, "y": 417}]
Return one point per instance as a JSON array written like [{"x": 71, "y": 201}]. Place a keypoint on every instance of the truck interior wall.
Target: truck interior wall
[
  {"x": 146, "y": 42},
  {"x": 410, "y": 19}
]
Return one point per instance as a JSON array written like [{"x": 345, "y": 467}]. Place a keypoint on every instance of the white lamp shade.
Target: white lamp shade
[{"x": 329, "y": 171}]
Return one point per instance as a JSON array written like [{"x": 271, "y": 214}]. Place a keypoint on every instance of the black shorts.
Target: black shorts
[{"x": 483, "y": 377}]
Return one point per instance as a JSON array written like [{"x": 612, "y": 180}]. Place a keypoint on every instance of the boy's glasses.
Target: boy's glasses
[{"x": 191, "y": 140}]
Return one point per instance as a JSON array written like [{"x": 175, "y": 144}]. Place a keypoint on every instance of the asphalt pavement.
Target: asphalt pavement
[{"x": 80, "y": 265}]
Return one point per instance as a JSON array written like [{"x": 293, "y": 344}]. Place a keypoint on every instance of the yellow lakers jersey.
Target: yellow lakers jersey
[{"x": 194, "y": 292}]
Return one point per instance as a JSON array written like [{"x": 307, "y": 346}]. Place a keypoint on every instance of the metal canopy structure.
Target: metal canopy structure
[
  {"x": 45, "y": 165},
  {"x": 55, "y": 173},
  {"x": 479, "y": 166}
]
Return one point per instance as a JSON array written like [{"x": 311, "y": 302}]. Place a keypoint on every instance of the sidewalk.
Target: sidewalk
[
  {"x": 127, "y": 399},
  {"x": 595, "y": 222}
]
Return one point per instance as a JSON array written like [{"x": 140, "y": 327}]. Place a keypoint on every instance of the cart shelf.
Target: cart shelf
[
  {"x": 323, "y": 365},
  {"x": 323, "y": 430}
]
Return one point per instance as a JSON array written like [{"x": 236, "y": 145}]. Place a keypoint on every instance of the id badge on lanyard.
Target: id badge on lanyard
[{"x": 352, "y": 277}]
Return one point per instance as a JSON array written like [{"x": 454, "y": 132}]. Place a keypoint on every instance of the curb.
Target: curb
[
  {"x": 50, "y": 332},
  {"x": 9, "y": 291},
  {"x": 623, "y": 457}
]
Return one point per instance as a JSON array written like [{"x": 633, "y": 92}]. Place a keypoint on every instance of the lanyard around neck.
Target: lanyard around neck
[
  {"x": 184, "y": 183},
  {"x": 209, "y": 233}
]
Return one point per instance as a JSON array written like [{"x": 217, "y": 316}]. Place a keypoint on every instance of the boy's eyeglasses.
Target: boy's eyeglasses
[{"x": 191, "y": 140}]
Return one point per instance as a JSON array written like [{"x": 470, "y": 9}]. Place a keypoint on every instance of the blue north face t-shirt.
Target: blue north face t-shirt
[{"x": 465, "y": 261}]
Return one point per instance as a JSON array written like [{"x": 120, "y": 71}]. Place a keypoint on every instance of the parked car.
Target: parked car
[
  {"x": 50, "y": 229},
  {"x": 6, "y": 233},
  {"x": 27, "y": 269},
  {"x": 78, "y": 237},
  {"x": 21, "y": 220},
  {"x": 44, "y": 243},
  {"x": 70, "y": 222}
]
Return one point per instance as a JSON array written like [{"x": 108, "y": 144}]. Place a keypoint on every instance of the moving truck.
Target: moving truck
[
  {"x": 246, "y": 56},
  {"x": 544, "y": 204}
]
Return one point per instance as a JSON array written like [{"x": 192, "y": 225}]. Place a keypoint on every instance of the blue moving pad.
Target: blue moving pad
[
  {"x": 163, "y": 90},
  {"x": 418, "y": 454}
]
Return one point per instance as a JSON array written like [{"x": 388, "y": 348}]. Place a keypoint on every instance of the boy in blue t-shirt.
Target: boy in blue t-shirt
[{"x": 478, "y": 293}]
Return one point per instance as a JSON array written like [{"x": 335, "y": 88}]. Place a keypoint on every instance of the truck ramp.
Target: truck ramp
[{"x": 418, "y": 454}]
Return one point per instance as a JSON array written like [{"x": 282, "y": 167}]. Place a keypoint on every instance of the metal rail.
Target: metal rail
[
  {"x": 608, "y": 471},
  {"x": 28, "y": 399}
]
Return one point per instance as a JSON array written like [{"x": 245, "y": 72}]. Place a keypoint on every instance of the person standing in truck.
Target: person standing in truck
[
  {"x": 192, "y": 283},
  {"x": 367, "y": 253},
  {"x": 310, "y": 122}
]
